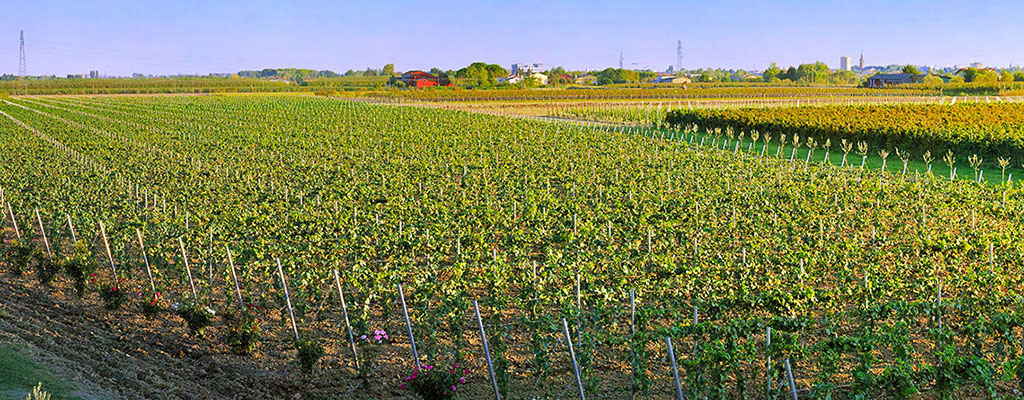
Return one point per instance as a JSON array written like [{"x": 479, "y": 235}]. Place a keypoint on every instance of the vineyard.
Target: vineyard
[
  {"x": 691, "y": 91},
  {"x": 180, "y": 85},
  {"x": 339, "y": 248},
  {"x": 988, "y": 129}
]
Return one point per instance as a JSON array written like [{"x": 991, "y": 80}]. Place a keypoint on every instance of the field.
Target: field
[
  {"x": 990, "y": 129},
  {"x": 871, "y": 282}
]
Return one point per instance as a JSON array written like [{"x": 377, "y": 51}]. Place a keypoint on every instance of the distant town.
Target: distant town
[{"x": 529, "y": 75}]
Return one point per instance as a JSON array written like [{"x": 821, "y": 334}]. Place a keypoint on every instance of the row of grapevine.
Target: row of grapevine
[{"x": 539, "y": 222}]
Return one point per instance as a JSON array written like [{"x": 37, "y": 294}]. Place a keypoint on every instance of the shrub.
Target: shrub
[
  {"x": 243, "y": 333},
  {"x": 46, "y": 268},
  {"x": 431, "y": 383},
  {"x": 310, "y": 352},
  {"x": 371, "y": 345},
  {"x": 19, "y": 253},
  {"x": 38, "y": 393},
  {"x": 78, "y": 267},
  {"x": 196, "y": 316},
  {"x": 150, "y": 305},
  {"x": 113, "y": 297}
]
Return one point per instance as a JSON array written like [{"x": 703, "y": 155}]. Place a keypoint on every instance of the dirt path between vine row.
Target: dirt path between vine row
[
  {"x": 104, "y": 354},
  {"x": 115, "y": 355},
  {"x": 109, "y": 356}
]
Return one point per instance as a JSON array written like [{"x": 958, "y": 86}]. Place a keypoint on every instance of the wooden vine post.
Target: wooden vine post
[
  {"x": 287, "y": 298},
  {"x": 487, "y": 350},
  {"x": 408, "y": 325},
  {"x": 792, "y": 383},
  {"x": 234, "y": 278},
  {"x": 14, "y": 221},
  {"x": 344, "y": 311},
  {"x": 106, "y": 245},
  {"x": 145, "y": 258},
  {"x": 572, "y": 356},
  {"x": 632, "y": 336},
  {"x": 768, "y": 356},
  {"x": 188, "y": 270},
  {"x": 71, "y": 227},
  {"x": 42, "y": 232},
  {"x": 675, "y": 370}
]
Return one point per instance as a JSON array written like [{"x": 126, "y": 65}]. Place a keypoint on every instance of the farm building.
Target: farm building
[
  {"x": 672, "y": 79},
  {"x": 883, "y": 80},
  {"x": 538, "y": 77},
  {"x": 420, "y": 79}
]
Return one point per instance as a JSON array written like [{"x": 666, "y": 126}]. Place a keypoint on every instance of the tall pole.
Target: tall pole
[
  {"x": 22, "y": 70},
  {"x": 679, "y": 55}
]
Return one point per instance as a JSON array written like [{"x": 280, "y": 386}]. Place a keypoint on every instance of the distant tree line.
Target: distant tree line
[{"x": 817, "y": 73}]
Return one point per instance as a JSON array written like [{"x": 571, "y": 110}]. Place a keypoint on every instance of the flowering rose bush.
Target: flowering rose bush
[
  {"x": 430, "y": 383},
  {"x": 379, "y": 336},
  {"x": 149, "y": 304},
  {"x": 371, "y": 345},
  {"x": 18, "y": 255},
  {"x": 242, "y": 333},
  {"x": 113, "y": 297},
  {"x": 196, "y": 316}
]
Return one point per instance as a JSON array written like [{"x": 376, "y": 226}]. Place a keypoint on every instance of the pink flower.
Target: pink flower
[
  {"x": 453, "y": 388},
  {"x": 462, "y": 380},
  {"x": 402, "y": 386}
]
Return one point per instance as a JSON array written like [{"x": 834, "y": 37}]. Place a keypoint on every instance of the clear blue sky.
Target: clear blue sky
[{"x": 202, "y": 36}]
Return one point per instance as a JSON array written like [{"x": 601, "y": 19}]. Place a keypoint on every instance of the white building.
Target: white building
[
  {"x": 538, "y": 78},
  {"x": 844, "y": 63},
  {"x": 523, "y": 69},
  {"x": 671, "y": 79}
]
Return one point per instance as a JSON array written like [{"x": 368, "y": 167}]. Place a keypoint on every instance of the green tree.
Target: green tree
[
  {"x": 812, "y": 73},
  {"x": 773, "y": 73},
  {"x": 986, "y": 77},
  {"x": 910, "y": 69},
  {"x": 614, "y": 75},
  {"x": 842, "y": 77},
  {"x": 932, "y": 80},
  {"x": 1007, "y": 76},
  {"x": 481, "y": 74},
  {"x": 970, "y": 74},
  {"x": 790, "y": 74},
  {"x": 1019, "y": 76},
  {"x": 389, "y": 70}
]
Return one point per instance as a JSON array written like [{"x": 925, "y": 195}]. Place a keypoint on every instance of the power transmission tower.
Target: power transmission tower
[
  {"x": 620, "y": 59},
  {"x": 679, "y": 55},
  {"x": 21, "y": 59}
]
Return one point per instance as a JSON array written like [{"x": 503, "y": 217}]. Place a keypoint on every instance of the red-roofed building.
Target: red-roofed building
[{"x": 420, "y": 79}]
